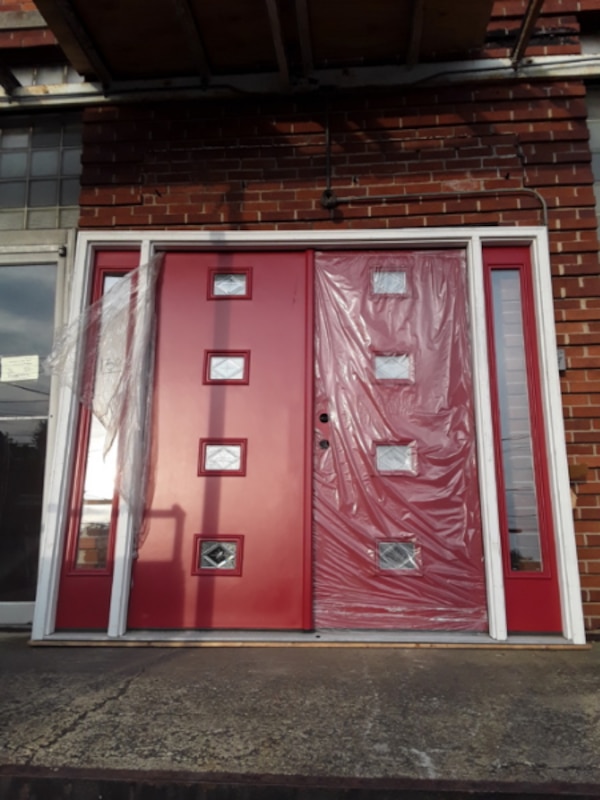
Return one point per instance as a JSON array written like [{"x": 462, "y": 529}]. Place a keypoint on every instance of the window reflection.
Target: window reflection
[
  {"x": 93, "y": 537},
  {"x": 22, "y": 457},
  {"x": 515, "y": 424},
  {"x": 26, "y": 330}
]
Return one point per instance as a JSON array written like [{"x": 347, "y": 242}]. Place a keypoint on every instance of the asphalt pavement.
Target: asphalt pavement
[{"x": 420, "y": 722}]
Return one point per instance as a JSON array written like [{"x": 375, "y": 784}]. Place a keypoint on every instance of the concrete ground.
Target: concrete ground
[{"x": 416, "y": 721}]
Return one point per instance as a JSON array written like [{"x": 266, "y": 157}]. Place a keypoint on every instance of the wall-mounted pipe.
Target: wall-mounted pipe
[{"x": 331, "y": 201}]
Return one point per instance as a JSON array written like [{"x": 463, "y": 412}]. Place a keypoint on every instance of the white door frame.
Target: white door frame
[
  {"x": 473, "y": 240},
  {"x": 31, "y": 248}
]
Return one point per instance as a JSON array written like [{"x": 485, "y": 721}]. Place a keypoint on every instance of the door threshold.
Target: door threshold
[{"x": 365, "y": 639}]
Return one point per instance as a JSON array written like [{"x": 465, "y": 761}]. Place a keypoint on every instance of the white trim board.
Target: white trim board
[{"x": 472, "y": 239}]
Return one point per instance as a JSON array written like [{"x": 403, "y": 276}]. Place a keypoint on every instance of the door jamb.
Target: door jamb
[{"x": 125, "y": 535}]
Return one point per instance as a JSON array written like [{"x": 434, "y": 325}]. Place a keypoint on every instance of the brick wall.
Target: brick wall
[
  {"x": 17, "y": 5},
  {"x": 15, "y": 16},
  {"x": 25, "y": 37},
  {"x": 262, "y": 165}
]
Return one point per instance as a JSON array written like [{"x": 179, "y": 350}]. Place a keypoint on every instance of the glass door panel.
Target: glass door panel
[
  {"x": 27, "y": 299},
  {"x": 515, "y": 426}
]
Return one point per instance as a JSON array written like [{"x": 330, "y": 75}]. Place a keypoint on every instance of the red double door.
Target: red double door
[{"x": 313, "y": 459}]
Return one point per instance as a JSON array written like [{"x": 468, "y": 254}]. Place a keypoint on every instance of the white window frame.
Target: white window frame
[
  {"x": 31, "y": 248},
  {"x": 473, "y": 240}
]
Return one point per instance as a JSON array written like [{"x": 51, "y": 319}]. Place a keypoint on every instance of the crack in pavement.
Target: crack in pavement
[{"x": 48, "y": 744}]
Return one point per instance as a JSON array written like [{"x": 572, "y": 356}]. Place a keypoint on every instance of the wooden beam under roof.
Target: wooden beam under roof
[
  {"x": 74, "y": 39},
  {"x": 303, "y": 23},
  {"x": 277, "y": 34},
  {"x": 193, "y": 37},
  {"x": 7, "y": 80},
  {"x": 532, "y": 12},
  {"x": 416, "y": 33}
]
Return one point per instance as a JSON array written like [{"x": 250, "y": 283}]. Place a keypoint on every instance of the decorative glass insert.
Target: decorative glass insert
[
  {"x": 218, "y": 555},
  {"x": 395, "y": 458},
  {"x": 388, "y": 281},
  {"x": 230, "y": 284},
  {"x": 226, "y": 367},
  {"x": 393, "y": 368},
  {"x": 222, "y": 457},
  {"x": 40, "y": 163},
  {"x": 395, "y": 555}
]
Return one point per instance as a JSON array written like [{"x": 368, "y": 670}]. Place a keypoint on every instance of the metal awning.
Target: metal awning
[{"x": 290, "y": 42}]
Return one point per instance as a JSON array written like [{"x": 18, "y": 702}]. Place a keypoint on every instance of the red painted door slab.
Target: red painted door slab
[
  {"x": 397, "y": 519},
  {"x": 226, "y": 535}
]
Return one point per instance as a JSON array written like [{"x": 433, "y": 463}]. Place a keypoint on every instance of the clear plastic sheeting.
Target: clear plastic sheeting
[
  {"x": 398, "y": 540},
  {"x": 106, "y": 356}
]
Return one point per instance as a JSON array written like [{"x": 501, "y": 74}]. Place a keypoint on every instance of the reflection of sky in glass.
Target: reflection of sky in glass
[
  {"x": 513, "y": 401},
  {"x": 100, "y": 471},
  {"x": 22, "y": 432},
  {"x": 26, "y": 329}
]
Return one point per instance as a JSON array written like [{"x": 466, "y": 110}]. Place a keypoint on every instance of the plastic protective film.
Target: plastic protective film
[
  {"x": 112, "y": 373},
  {"x": 398, "y": 531}
]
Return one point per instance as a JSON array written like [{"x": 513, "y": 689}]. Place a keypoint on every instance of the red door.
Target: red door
[
  {"x": 530, "y": 573},
  {"x": 227, "y": 532},
  {"x": 397, "y": 520},
  {"x": 87, "y": 565}
]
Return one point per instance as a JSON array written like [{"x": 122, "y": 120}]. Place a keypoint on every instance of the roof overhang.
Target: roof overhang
[{"x": 142, "y": 42}]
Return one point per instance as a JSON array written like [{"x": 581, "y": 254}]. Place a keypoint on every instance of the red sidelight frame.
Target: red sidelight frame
[
  {"x": 532, "y": 598},
  {"x": 84, "y": 594},
  {"x": 308, "y": 613}
]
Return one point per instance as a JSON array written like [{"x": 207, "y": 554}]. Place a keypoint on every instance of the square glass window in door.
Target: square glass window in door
[
  {"x": 222, "y": 457},
  {"x": 227, "y": 366},
  {"x": 230, "y": 284},
  {"x": 397, "y": 367},
  {"x": 218, "y": 555},
  {"x": 398, "y": 555},
  {"x": 396, "y": 459},
  {"x": 389, "y": 282}
]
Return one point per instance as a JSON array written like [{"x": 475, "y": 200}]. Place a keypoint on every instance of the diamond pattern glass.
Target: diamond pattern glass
[
  {"x": 230, "y": 284},
  {"x": 223, "y": 458},
  {"x": 393, "y": 368},
  {"x": 397, "y": 555},
  {"x": 218, "y": 555},
  {"x": 226, "y": 368},
  {"x": 394, "y": 458},
  {"x": 389, "y": 282}
]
